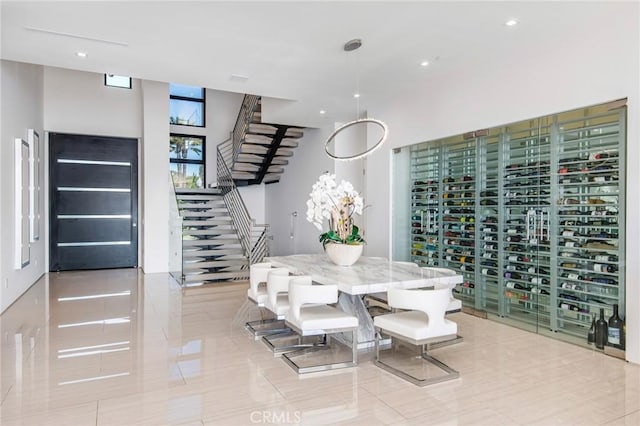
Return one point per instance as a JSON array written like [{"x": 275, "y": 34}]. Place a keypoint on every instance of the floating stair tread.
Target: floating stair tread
[
  {"x": 203, "y": 204},
  {"x": 245, "y": 167},
  {"x": 279, "y": 161},
  {"x": 284, "y": 152},
  {"x": 193, "y": 266},
  {"x": 275, "y": 169},
  {"x": 216, "y": 276},
  {"x": 195, "y": 197},
  {"x": 192, "y": 232},
  {"x": 272, "y": 177},
  {"x": 247, "y": 148},
  {"x": 258, "y": 139},
  {"x": 213, "y": 252},
  {"x": 261, "y": 128},
  {"x": 218, "y": 223},
  {"x": 294, "y": 132},
  {"x": 250, "y": 158},
  {"x": 289, "y": 143},
  {"x": 191, "y": 191},
  {"x": 243, "y": 175},
  {"x": 211, "y": 242},
  {"x": 211, "y": 211}
]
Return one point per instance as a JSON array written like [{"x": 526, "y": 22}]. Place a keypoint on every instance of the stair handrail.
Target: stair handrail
[
  {"x": 245, "y": 116},
  {"x": 255, "y": 248}
]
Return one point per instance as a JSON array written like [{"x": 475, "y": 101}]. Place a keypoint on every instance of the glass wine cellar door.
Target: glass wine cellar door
[
  {"x": 531, "y": 214},
  {"x": 525, "y": 223}
]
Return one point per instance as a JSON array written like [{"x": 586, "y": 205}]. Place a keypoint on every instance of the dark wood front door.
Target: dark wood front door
[{"x": 93, "y": 193}]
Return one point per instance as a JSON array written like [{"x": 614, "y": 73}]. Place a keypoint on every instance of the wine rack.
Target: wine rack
[
  {"x": 531, "y": 214},
  {"x": 589, "y": 207},
  {"x": 458, "y": 213}
]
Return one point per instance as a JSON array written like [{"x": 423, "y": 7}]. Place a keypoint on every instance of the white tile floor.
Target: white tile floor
[{"x": 144, "y": 352}]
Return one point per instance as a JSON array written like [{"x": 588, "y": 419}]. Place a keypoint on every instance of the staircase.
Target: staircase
[
  {"x": 211, "y": 247},
  {"x": 219, "y": 238},
  {"x": 257, "y": 152}
]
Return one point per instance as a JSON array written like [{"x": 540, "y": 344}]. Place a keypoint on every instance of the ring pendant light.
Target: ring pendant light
[
  {"x": 349, "y": 46},
  {"x": 362, "y": 121}
]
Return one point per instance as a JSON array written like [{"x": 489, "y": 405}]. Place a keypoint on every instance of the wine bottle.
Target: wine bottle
[
  {"x": 569, "y": 307},
  {"x": 512, "y": 275},
  {"x": 614, "y": 330},
  {"x": 599, "y": 267},
  {"x": 601, "y": 331},
  {"x": 571, "y": 286},
  {"x": 539, "y": 280},
  {"x": 572, "y": 276},
  {"x": 591, "y": 335}
]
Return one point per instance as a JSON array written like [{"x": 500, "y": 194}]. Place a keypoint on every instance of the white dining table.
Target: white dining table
[{"x": 368, "y": 275}]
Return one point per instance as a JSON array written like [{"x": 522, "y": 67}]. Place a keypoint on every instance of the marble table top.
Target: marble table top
[{"x": 367, "y": 275}]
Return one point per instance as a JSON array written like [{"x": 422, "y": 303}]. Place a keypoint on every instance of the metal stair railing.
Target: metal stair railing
[
  {"x": 253, "y": 237},
  {"x": 245, "y": 116}
]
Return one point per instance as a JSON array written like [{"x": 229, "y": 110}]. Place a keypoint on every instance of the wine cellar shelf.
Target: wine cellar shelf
[{"x": 531, "y": 214}]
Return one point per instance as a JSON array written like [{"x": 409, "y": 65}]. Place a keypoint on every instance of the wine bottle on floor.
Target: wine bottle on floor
[
  {"x": 601, "y": 331},
  {"x": 614, "y": 333},
  {"x": 591, "y": 335}
]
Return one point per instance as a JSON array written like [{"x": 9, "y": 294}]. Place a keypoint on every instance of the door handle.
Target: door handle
[{"x": 134, "y": 224}]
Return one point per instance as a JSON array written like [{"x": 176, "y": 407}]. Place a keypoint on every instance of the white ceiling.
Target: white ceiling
[{"x": 288, "y": 50}]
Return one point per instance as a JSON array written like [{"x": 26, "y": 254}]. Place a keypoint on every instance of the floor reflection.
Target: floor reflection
[{"x": 119, "y": 347}]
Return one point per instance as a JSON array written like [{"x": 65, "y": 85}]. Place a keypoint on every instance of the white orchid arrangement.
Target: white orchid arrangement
[{"x": 337, "y": 204}]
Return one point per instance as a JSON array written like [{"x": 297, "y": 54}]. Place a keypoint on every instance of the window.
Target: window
[
  {"x": 186, "y": 105},
  {"x": 117, "y": 81},
  {"x": 186, "y": 160}
]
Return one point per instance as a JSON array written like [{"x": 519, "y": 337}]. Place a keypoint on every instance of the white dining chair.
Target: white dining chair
[
  {"x": 310, "y": 315},
  {"x": 257, "y": 293},
  {"x": 277, "y": 303},
  {"x": 455, "y": 305},
  {"x": 420, "y": 323}
]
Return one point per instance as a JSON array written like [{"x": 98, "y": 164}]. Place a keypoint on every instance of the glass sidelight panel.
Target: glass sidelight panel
[
  {"x": 489, "y": 226},
  {"x": 425, "y": 200}
]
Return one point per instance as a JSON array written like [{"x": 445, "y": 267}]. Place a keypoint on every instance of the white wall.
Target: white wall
[
  {"x": 587, "y": 68},
  {"x": 155, "y": 177},
  {"x": 254, "y": 198},
  {"x": 79, "y": 102},
  {"x": 292, "y": 192},
  {"x": 21, "y": 109}
]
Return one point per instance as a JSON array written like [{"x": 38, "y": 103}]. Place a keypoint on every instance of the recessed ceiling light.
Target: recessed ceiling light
[
  {"x": 424, "y": 63},
  {"x": 81, "y": 54},
  {"x": 356, "y": 95},
  {"x": 323, "y": 111},
  {"x": 511, "y": 22}
]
